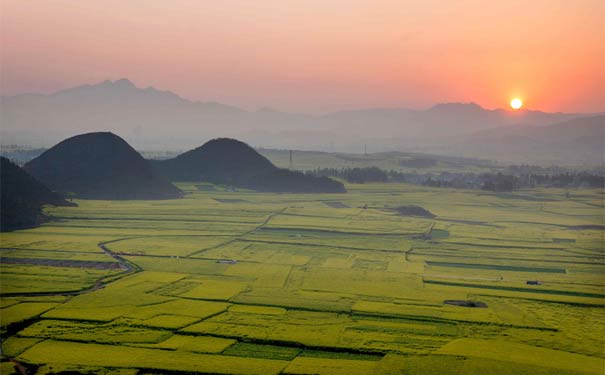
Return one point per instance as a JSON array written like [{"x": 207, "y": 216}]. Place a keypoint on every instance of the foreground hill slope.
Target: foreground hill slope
[
  {"x": 231, "y": 162},
  {"x": 23, "y": 197},
  {"x": 100, "y": 166}
]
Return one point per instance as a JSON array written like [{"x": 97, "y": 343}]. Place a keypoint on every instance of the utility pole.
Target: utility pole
[{"x": 291, "y": 163}]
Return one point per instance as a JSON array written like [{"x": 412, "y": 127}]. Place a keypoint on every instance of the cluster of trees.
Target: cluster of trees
[
  {"x": 566, "y": 179},
  {"x": 498, "y": 182},
  {"x": 509, "y": 182},
  {"x": 512, "y": 179},
  {"x": 284, "y": 180},
  {"x": 359, "y": 175}
]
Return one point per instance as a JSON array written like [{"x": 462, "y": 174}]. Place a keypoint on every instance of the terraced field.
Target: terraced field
[{"x": 250, "y": 283}]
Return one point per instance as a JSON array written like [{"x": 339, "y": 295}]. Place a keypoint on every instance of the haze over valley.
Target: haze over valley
[{"x": 161, "y": 120}]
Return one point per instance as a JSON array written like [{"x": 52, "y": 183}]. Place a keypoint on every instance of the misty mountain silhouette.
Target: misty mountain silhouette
[
  {"x": 100, "y": 166},
  {"x": 155, "y": 119},
  {"x": 232, "y": 162},
  {"x": 23, "y": 197},
  {"x": 574, "y": 141}
]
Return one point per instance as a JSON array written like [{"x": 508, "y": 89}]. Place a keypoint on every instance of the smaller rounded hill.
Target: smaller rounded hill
[
  {"x": 100, "y": 166},
  {"x": 231, "y": 162}
]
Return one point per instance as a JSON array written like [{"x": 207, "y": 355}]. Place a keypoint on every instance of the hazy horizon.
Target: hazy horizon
[
  {"x": 271, "y": 108},
  {"x": 314, "y": 56}
]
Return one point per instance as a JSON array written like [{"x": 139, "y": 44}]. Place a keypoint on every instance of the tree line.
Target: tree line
[{"x": 499, "y": 181}]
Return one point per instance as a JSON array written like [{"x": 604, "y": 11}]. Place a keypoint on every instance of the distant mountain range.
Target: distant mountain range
[
  {"x": 576, "y": 141},
  {"x": 153, "y": 119},
  {"x": 22, "y": 198}
]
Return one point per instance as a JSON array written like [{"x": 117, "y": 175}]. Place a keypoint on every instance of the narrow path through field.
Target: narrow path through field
[
  {"x": 239, "y": 236},
  {"x": 127, "y": 266}
]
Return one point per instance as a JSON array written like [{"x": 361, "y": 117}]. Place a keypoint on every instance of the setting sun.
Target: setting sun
[{"x": 516, "y": 103}]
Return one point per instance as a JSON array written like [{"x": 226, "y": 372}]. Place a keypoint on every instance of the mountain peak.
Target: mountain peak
[
  {"x": 124, "y": 82},
  {"x": 470, "y": 106}
]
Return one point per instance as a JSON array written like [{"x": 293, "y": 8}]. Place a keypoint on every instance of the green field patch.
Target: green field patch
[
  {"x": 439, "y": 234},
  {"x": 265, "y": 275},
  {"x": 13, "y": 346},
  {"x": 194, "y": 344},
  {"x": 243, "y": 349},
  {"x": 229, "y": 200},
  {"x": 564, "y": 240},
  {"x": 307, "y": 241},
  {"x": 587, "y": 227},
  {"x": 54, "y": 239},
  {"x": 497, "y": 267},
  {"x": 63, "y": 263},
  {"x": 18, "y": 279},
  {"x": 458, "y": 365},
  {"x": 251, "y": 309},
  {"x": 169, "y": 321},
  {"x": 398, "y": 327},
  {"x": 186, "y": 307},
  {"x": 340, "y": 355},
  {"x": 370, "y": 264},
  {"x": 328, "y": 366},
  {"x": 179, "y": 265},
  {"x": 364, "y": 223},
  {"x": 322, "y": 301},
  {"x": 296, "y": 327},
  {"x": 65, "y": 369},
  {"x": 92, "y": 332},
  {"x": 56, "y": 255},
  {"x": 436, "y": 314},
  {"x": 212, "y": 289},
  {"x": 339, "y": 262},
  {"x": 23, "y": 311},
  {"x": 71, "y": 353},
  {"x": 6, "y": 302},
  {"x": 518, "y": 289},
  {"x": 335, "y": 204},
  {"x": 525, "y": 354},
  {"x": 166, "y": 245},
  {"x": 362, "y": 282},
  {"x": 8, "y": 368}
]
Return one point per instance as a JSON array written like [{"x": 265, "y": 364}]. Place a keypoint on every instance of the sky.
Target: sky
[{"x": 314, "y": 56}]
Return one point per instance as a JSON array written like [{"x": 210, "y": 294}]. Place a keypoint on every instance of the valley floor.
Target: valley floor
[{"x": 253, "y": 283}]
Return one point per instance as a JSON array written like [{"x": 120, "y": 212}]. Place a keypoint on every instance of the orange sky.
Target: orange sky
[{"x": 315, "y": 55}]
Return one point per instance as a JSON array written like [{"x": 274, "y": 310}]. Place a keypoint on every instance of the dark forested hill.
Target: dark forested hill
[
  {"x": 231, "y": 162},
  {"x": 23, "y": 197},
  {"x": 100, "y": 166}
]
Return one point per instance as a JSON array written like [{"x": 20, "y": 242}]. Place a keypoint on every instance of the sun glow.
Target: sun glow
[{"x": 516, "y": 103}]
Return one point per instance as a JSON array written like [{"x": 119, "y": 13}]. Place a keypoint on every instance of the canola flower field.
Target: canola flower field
[{"x": 239, "y": 282}]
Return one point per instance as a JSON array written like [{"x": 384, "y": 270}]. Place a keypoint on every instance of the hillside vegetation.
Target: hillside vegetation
[
  {"x": 23, "y": 197},
  {"x": 100, "y": 166},
  {"x": 231, "y": 162}
]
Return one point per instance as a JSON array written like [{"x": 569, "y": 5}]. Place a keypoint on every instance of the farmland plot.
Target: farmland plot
[{"x": 259, "y": 283}]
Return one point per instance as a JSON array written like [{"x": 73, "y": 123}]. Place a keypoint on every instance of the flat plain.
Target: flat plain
[{"x": 256, "y": 283}]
